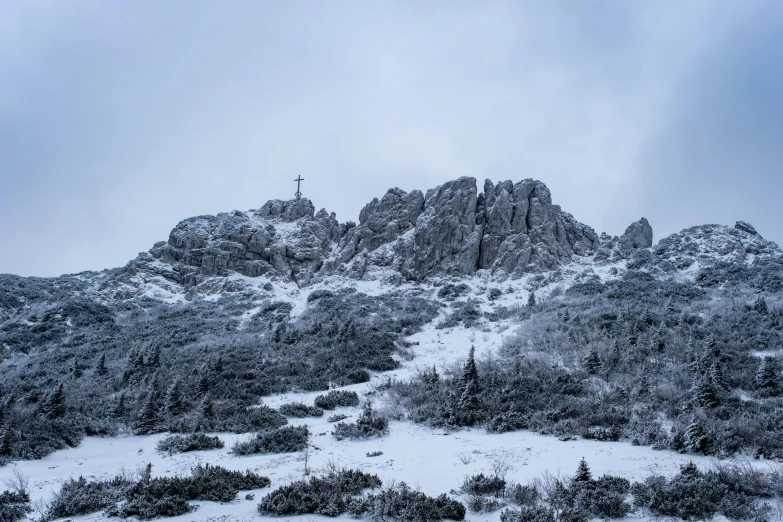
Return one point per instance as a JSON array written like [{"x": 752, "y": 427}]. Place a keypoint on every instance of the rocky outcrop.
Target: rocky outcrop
[
  {"x": 639, "y": 234},
  {"x": 508, "y": 229},
  {"x": 524, "y": 232}
]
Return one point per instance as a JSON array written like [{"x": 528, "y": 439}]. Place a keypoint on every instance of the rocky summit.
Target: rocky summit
[{"x": 508, "y": 229}]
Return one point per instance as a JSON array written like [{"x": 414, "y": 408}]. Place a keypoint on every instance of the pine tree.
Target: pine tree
[
  {"x": 592, "y": 362},
  {"x": 204, "y": 382},
  {"x": 696, "y": 438},
  {"x": 470, "y": 373},
  {"x": 767, "y": 378},
  {"x": 54, "y": 407},
  {"x": 468, "y": 401},
  {"x": 173, "y": 401},
  {"x": 148, "y": 415},
  {"x": 705, "y": 395},
  {"x": 718, "y": 378},
  {"x": 101, "y": 369},
  {"x": 583, "y": 472},
  {"x": 77, "y": 369},
  {"x": 6, "y": 441},
  {"x": 760, "y": 306},
  {"x": 207, "y": 409},
  {"x": 118, "y": 411},
  {"x": 531, "y": 299}
]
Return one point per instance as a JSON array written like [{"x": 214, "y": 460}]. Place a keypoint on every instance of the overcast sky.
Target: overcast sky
[{"x": 119, "y": 119}]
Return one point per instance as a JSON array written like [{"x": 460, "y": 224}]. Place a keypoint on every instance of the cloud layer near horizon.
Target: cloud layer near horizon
[{"x": 117, "y": 120}]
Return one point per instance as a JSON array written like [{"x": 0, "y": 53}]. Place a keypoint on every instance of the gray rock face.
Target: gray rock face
[
  {"x": 509, "y": 229},
  {"x": 283, "y": 238},
  {"x": 524, "y": 232},
  {"x": 639, "y": 234}
]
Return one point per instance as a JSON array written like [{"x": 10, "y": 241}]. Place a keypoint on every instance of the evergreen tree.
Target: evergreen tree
[
  {"x": 718, "y": 378},
  {"x": 204, "y": 382},
  {"x": 760, "y": 306},
  {"x": 207, "y": 409},
  {"x": 592, "y": 362},
  {"x": 173, "y": 400},
  {"x": 101, "y": 369},
  {"x": 696, "y": 438},
  {"x": 470, "y": 373},
  {"x": 118, "y": 411},
  {"x": 77, "y": 369},
  {"x": 767, "y": 378},
  {"x": 583, "y": 474},
  {"x": 148, "y": 415},
  {"x": 468, "y": 401},
  {"x": 644, "y": 385},
  {"x": 54, "y": 407},
  {"x": 6, "y": 441},
  {"x": 531, "y": 299},
  {"x": 705, "y": 395}
]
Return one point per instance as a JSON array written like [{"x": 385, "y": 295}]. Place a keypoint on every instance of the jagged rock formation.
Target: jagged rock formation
[{"x": 508, "y": 229}]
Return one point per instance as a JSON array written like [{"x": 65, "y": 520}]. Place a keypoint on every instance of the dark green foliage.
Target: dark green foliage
[
  {"x": 583, "y": 472},
  {"x": 154, "y": 497},
  {"x": 55, "y": 407},
  {"x": 696, "y": 439},
  {"x": 666, "y": 349},
  {"x": 137, "y": 345},
  {"x": 147, "y": 419},
  {"x": 14, "y": 505},
  {"x": 483, "y": 485},
  {"x": 287, "y": 439},
  {"x": 592, "y": 362},
  {"x": 528, "y": 514},
  {"x": 767, "y": 377},
  {"x": 192, "y": 442},
  {"x": 494, "y": 294},
  {"x": 337, "y": 398},
  {"x": 6, "y": 441},
  {"x": 297, "y": 409},
  {"x": 730, "y": 490},
  {"x": 337, "y": 418},
  {"x": 405, "y": 504},
  {"x": 366, "y": 426},
  {"x": 80, "y": 497},
  {"x": 328, "y": 495}
]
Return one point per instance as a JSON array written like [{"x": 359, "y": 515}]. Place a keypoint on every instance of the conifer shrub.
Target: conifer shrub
[
  {"x": 297, "y": 409},
  {"x": 368, "y": 425},
  {"x": 337, "y": 398},
  {"x": 14, "y": 505},
  {"x": 483, "y": 485},
  {"x": 191, "y": 442},
  {"x": 79, "y": 497},
  {"x": 336, "y": 418},
  {"x": 287, "y": 439}
]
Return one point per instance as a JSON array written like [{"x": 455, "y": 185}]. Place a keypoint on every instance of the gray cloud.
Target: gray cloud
[{"x": 119, "y": 119}]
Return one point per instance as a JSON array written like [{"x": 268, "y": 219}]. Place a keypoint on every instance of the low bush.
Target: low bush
[
  {"x": 528, "y": 514},
  {"x": 79, "y": 497},
  {"x": 296, "y": 409},
  {"x": 337, "y": 398},
  {"x": 374, "y": 453},
  {"x": 14, "y": 505},
  {"x": 328, "y": 495},
  {"x": 192, "y": 442},
  {"x": 337, "y": 418},
  {"x": 482, "y": 485},
  {"x": 366, "y": 426},
  {"x": 287, "y": 439},
  {"x": 730, "y": 490},
  {"x": 523, "y": 495},
  {"x": 150, "y": 497},
  {"x": 403, "y": 503}
]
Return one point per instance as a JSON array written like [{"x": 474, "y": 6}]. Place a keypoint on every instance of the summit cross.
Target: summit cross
[{"x": 299, "y": 179}]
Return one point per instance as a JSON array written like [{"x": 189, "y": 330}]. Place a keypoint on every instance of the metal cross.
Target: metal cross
[{"x": 299, "y": 180}]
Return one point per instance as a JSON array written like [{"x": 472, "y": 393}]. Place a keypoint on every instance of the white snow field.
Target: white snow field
[{"x": 429, "y": 459}]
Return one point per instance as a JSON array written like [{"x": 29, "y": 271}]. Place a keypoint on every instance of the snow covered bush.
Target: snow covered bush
[
  {"x": 337, "y": 398},
  {"x": 185, "y": 443},
  {"x": 366, "y": 426},
  {"x": 483, "y": 485},
  {"x": 297, "y": 409},
  {"x": 400, "y": 502},
  {"x": 733, "y": 491},
  {"x": 79, "y": 497},
  {"x": 287, "y": 439},
  {"x": 330, "y": 495}
]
